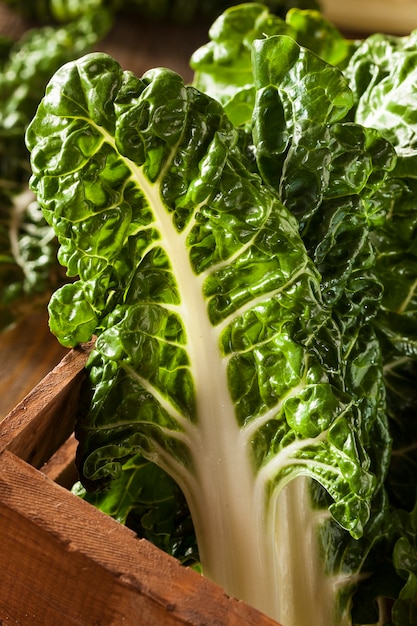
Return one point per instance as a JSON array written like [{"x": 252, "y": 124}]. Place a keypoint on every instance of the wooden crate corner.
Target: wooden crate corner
[{"x": 65, "y": 563}]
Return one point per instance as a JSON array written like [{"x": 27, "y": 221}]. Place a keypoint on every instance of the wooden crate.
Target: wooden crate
[{"x": 64, "y": 563}]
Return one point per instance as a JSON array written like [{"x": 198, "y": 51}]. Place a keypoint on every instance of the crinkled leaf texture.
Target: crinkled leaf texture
[
  {"x": 211, "y": 330},
  {"x": 334, "y": 176},
  {"x": 405, "y": 560},
  {"x": 349, "y": 177},
  {"x": 382, "y": 73},
  {"x": 29, "y": 271},
  {"x": 223, "y": 67}
]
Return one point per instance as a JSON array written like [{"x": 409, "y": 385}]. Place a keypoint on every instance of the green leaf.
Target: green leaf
[
  {"x": 404, "y": 610},
  {"x": 223, "y": 67},
  {"x": 29, "y": 271},
  {"x": 382, "y": 74},
  {"x": 216, "y": 358}
]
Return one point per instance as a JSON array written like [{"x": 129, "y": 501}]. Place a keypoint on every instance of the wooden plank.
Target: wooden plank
[
  {"x": 61, "y": 466},
  {"x": 64, "y": 562},
  {"x": 45, "y": 418}
]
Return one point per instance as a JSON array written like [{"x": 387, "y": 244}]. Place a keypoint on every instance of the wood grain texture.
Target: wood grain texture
[{"x": 65, "y": 563}]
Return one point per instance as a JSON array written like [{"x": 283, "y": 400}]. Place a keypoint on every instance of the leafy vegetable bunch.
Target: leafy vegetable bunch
[
  {"x": 244, "y": 249},
  {"x": 28, "y": 268}
]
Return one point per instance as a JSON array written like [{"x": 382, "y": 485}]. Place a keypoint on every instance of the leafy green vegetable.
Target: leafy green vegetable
[
  {"x": 58, "y": 10},
  {"x": 223, "y": 67},
  {"x": 28, "y": 268},
  {"x": 405, "y": 560},
  {"x": 244, "y": 250},
  {"x": 382, "y": 73},
  {"x": 216, "y": 356}
]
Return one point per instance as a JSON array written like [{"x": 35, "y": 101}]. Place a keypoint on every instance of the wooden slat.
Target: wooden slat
[
  {"x": 61, "y": 466},
  {"x": 64, "y": 563}
]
